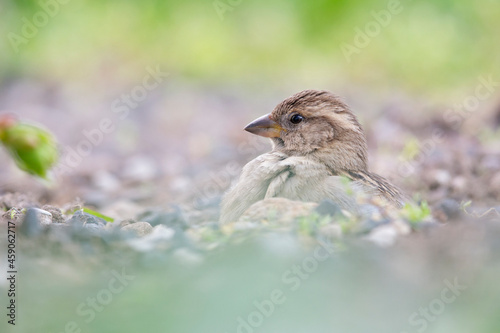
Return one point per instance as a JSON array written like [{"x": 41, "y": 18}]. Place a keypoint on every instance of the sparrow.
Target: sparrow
[{"x": 319, "y": 152}]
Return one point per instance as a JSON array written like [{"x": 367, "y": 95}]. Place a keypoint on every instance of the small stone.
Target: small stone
[
  {"x": 440, "y": 177},
  {"x": 44, "y": 217},
  {"x": 328, "y": 207},
  {"x": 124, "y": 223},
  {"x": 402, "y": 227},
  {"x": 139, "y": 228},
  {"x": 368, "y": 225},
  {"x": 80, "y": 218},
  {"x": 31, "y": 225},
  {"x": 383, "y": 236},
  {"x": 57, "y": 214},
  {"x": 451, "y": 208}
]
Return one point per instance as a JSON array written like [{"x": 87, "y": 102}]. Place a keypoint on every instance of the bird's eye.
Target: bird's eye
[{"x": 296, "y": 118}]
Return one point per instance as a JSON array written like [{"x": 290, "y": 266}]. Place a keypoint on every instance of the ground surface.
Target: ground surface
[{"x": 165, "y": 263}]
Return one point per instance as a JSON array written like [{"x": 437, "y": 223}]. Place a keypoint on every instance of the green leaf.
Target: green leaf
[
  {"x": 32, "y": 148},
  {"x": 97, "y": 214}
]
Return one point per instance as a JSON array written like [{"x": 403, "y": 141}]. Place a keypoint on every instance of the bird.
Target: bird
[{"x": 319, "y": 152}]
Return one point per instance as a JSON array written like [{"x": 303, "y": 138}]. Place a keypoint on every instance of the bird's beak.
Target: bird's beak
[{"x": 265, "y": 126}]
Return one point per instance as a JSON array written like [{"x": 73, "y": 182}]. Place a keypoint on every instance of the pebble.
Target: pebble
[
  {"x": 122, "y": 223},
  {"x": 440, "y": 177},
  {"x": 80, "y": 218},
  {"x": 139, "y": 228},
  {"x": 31, "y": 224},
  {"x": 57, "y": 214},
  {"x": 328, "y": 207},
  {"x": 450, "y": 207},
  {"x": 402, "y": 227},
  {"x": 43, "y": 216},
  {"x": 383, "y": 236}
]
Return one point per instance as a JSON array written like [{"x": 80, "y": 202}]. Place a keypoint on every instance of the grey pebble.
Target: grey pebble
[
  {"x": 383, "y": 236},
  {"x": 139, "y": 228},
  {"x": 451, "y": 208},
  {"x": 32, "y": 225},
  {"x": 57, "y": 214},
  {"x": 44, "y": 217},
  {"x": 82, "y": 219},
  {"x": 328, "y": 207}
]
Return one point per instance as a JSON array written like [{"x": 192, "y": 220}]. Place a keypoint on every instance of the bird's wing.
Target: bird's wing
[
  {"x": 277, "y": 183},
  {"x": 299, "y": 178},
  {"x": 304, "y": 179},
  {"x": 376, "y": 185},
  {"x": 252, "y": 185}
]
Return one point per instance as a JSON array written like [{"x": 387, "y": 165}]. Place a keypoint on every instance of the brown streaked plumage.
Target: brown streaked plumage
[{"x": 317, "y": 141}]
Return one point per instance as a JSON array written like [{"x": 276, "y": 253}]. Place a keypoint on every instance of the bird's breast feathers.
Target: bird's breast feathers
[{"x": 277, "y": 175}]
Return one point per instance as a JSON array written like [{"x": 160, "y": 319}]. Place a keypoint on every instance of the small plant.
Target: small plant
[
  {"x": 464, "y": 205},
  {"x": 416, "y": 213}
]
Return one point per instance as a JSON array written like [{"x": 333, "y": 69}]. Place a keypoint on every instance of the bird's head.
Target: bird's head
[{"x": 318, "y": 123}]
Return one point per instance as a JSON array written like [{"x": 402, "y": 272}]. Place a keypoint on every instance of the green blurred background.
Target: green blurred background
[{"x": 433, "y": 48}]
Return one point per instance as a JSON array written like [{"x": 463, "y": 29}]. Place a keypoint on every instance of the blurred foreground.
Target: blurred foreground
[{"x": 271, "y": 279}]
